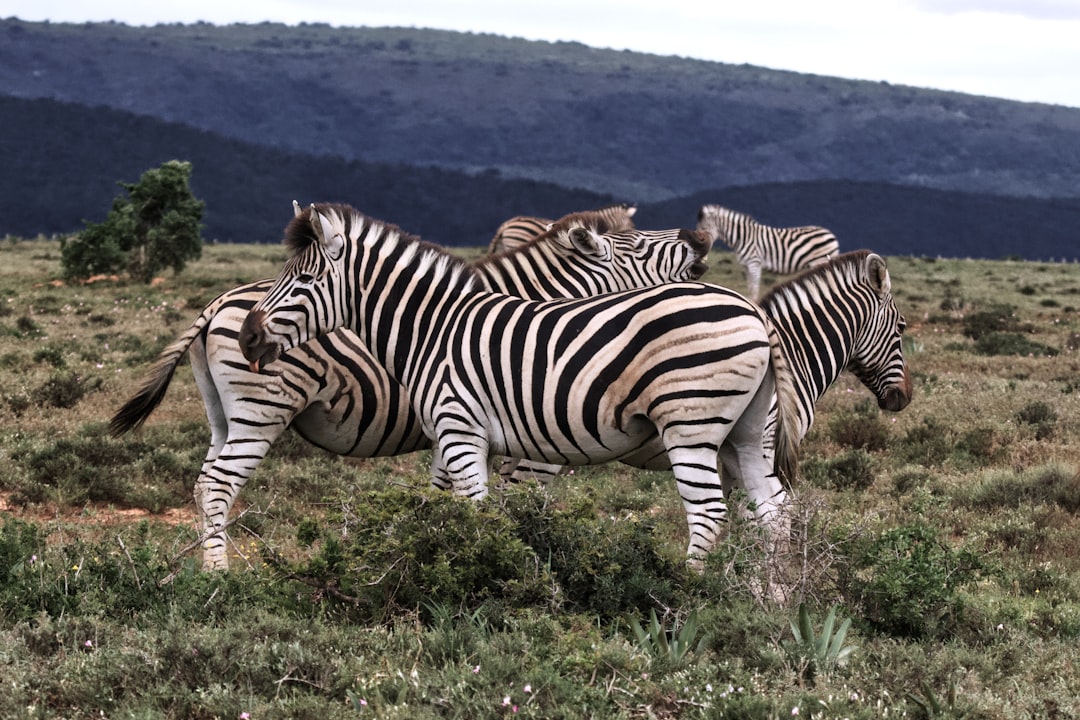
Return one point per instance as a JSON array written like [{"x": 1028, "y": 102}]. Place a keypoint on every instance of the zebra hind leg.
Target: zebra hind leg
[
  {"x": 696, "y": 476},
  {"x": 216, "y": 491}
]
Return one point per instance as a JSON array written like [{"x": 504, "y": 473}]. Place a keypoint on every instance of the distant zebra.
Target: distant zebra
[
  {"x": 333, "y": 392},
  {"x": 573, "y": 382},
  {"x": 758, "y": 247},
  {"x": 519, "y": 230}
]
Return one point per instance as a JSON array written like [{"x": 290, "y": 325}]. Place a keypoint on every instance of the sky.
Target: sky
[{"x": 1025, "y": 50}]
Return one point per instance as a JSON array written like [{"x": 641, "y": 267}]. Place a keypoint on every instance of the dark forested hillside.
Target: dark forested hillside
[
  {"x": 62, "y": 162},
  {"x": 448, "y": 133}
]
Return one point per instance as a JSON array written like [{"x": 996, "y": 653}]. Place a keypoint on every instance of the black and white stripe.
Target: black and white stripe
[
  {"x": 759, "y": 247},
  {"x": 573, "y": 382},
  {"x": 333, "y": 392},
  {"x": 519, "y": 230}
]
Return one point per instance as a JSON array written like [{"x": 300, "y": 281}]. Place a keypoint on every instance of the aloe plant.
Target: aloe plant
[
  {"x": 823, "y": 652},
  {"x": 674, "y": 644}
]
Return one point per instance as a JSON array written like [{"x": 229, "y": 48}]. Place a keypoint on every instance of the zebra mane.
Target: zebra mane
[
  {"x": 848, "y": 265},
  {"x": 724, "y": 211},
  {"x": 299, "y": 235}
]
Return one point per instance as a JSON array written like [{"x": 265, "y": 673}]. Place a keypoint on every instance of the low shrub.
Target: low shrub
[
  {"x": 911, "y": 479},
  {"x": 603, "y": 565},
  {"x": 854, "y": 470},
  {"x": 861, "y": 428},
  {"x": 926, "y": 444},
  {"x": 905, "y": 581},
  {"x": 65, "y": 389},
  {"x": 395, "y": 550},
  {"x": 993, "y": 319},
  {"x": 94, "y": 469},
  {"x": 1040, "y": 416},
  {"x": 1010, "y": 343},
  {"x": 1012, "y": 489}
]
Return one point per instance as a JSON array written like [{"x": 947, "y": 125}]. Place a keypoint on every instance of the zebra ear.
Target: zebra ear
[
  {"x": 878, "y": 274},
  {"x": 296, "y": 210},
  {"x": 587, "y": 243},
  {"x": 329, "y": 238}
]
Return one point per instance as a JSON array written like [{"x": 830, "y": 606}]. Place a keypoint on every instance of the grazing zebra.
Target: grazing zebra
[
  {"x": 574, "y": 382},
  {"x": 333, "y": 392},
  {"x": 519, "y": 230},
  {"x": 839, "y": 315},
  {"x": 758, "y": 247}
]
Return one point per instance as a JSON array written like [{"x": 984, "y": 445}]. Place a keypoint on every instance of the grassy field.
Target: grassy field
[{"x": 946, "y": 534}]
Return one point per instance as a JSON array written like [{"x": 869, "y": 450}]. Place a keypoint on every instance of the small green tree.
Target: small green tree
[{"x": 156, "y": 227}]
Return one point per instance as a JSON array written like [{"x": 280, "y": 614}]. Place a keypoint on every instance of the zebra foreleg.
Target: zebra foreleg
[
  {"x": 748, "y": 466},
  {"x": 459, "y": 461},
  {"x": 753, "y": 279}
]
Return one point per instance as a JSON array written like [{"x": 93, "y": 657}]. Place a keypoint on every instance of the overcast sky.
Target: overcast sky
[{"x": 1017, "y": 49}]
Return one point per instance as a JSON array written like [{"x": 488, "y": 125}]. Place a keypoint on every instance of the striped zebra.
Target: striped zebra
[
  {"x": 759, "y": 247},
  {"x": 838, "y": 316},
  {"x": 331, "y": 390},
  {"x": 519, "y": 230},
  {"x": 573, "y": 382}
]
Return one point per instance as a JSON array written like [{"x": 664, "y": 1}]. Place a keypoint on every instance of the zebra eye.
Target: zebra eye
[
  {"x": 902, "y": 325},
  {"x": 305, "y": 278}
]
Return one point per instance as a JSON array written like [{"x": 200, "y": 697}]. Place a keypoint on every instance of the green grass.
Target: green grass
[{"x": 946, "y": 533}]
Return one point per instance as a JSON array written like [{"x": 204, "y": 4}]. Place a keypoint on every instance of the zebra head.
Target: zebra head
[
  {"x": 717, "y": 222},
  {"x": 630, "y": 258},
  {"x": 305, "y": 301},
  {"x": 877, "y": 357}
]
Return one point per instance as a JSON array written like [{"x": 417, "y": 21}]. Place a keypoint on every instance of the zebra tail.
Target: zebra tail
[
  {"x": 156, "y": 381},
  {"x": 786, "y": 447}
]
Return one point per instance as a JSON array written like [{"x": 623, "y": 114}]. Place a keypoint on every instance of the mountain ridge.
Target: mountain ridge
[{"x": 460, "y": 125}]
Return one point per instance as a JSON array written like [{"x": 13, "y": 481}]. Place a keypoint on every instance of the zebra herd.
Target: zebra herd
[{"x": 588, "y": 343}]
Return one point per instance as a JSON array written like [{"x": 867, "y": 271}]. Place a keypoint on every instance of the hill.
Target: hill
[{"x": 448, "y": 133}]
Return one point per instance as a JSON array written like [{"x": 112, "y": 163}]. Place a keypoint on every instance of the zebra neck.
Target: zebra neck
[
  {"x": 405, "y": 298},
  {"x": 817, "y": 335},
  {"x": 531, "y": 272}
]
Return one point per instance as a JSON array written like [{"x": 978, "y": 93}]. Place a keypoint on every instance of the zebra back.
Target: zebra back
[
  {"x": 522, "y": 229},
  {"x": 781, "y": 250}
]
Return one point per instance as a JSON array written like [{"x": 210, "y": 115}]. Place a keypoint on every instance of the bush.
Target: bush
[
  {"x": 95, "y": 469},
  {"x": 603, "y": 566},
  {"x": 1009, "y": 343},
  {"x": 64, "y": 390},
  {"x": 158, "y": 227},
  {"x": 994, "y": 319},
  {"x": 1009, "y": 489},
  {"x": 905, "y": 581},
  {"x": 854, "y": 470},
  {"x": 1039, "y": 415},
  {"x": 400, "y": 549},
  {"x": 926, "y": 444},
  {"x": 862, "y": 428}
]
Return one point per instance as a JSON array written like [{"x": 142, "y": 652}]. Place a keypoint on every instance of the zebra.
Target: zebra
[
  {"x": 757, "y": 246},
  {"x": 837, "y": 316},
  {"x": 331, "y": 390},
  {"x": 519, "y": 230},
  {"x": 571, "y": 381}
]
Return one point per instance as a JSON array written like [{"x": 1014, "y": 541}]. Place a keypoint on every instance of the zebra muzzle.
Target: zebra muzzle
[
  {"x": 257, "y": 349},
  {"x": 897, "y": 397}
]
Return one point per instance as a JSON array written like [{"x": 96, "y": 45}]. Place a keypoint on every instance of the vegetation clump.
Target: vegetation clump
[
  {"x": 904, "y": 581},
  {"x": 156, "y": 227}
]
